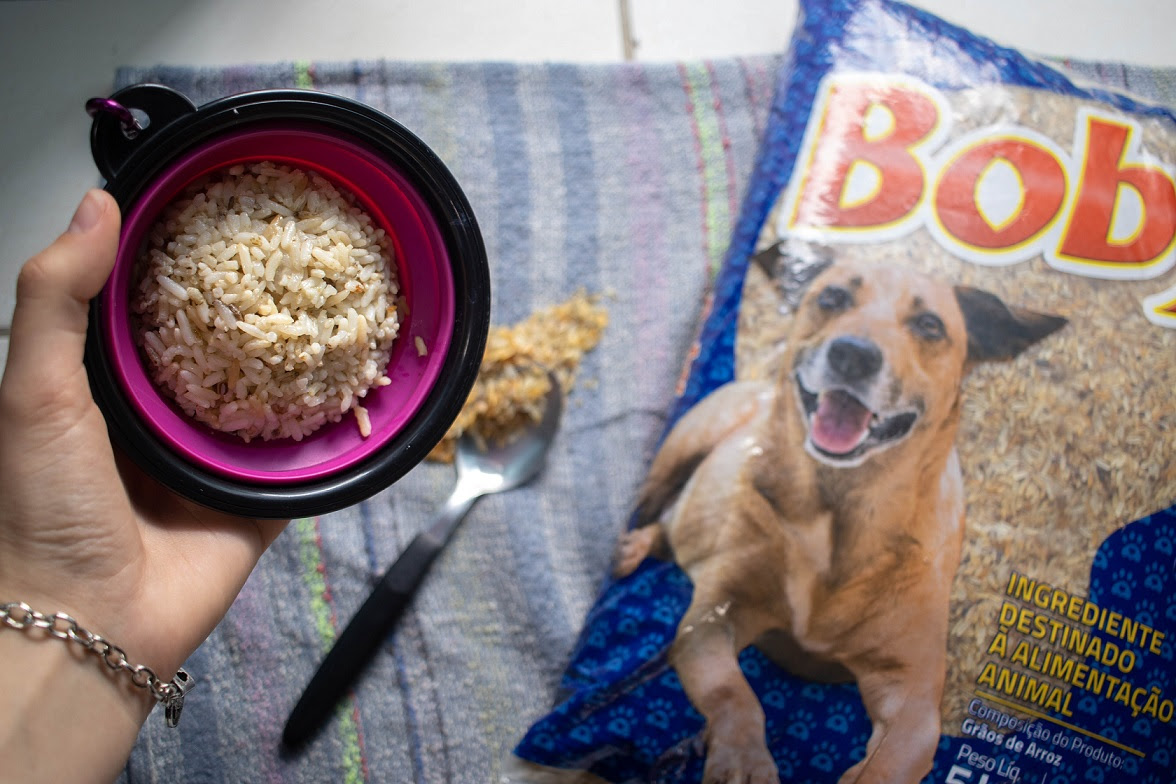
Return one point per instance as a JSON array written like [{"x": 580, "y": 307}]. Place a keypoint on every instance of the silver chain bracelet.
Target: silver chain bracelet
[{"x": 19, "y": 615}]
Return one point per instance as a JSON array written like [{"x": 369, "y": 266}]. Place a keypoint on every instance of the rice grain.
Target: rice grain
[{"x": 250, "y": 308}]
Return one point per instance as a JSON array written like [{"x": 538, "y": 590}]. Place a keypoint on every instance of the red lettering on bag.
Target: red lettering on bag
[
  {"x": 843, "y": 143},
  {"x": 1104, "y": 173},
  {"x": 1043, "y": 190},
  {"x": 873, "y": 167}
]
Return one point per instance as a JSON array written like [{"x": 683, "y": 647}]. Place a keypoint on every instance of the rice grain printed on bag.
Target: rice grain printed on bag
[{"x": 913, "y": 516}]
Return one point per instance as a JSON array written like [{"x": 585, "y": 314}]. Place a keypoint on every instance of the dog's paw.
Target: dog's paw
[
  {"x": 633, "y": 548},
  {"x": 745, "y": 764}
]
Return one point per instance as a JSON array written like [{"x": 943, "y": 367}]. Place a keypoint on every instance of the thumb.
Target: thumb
[{"x": 52, "y": 299}]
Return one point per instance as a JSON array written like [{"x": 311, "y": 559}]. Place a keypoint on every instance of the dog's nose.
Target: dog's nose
[{"x": 854, "y": 358}]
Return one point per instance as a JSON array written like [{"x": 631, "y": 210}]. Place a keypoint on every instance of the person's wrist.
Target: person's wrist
[
  {"x": 119, "y": 624},
  {"x": 63, "y": 706},
  {"x": 50, "y": 578},
  {"x": 45, "y": 659}
]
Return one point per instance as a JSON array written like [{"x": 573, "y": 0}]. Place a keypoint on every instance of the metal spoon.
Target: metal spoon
[{"x": 480, "y": 471}]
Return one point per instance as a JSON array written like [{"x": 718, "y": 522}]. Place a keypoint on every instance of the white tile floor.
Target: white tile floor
[{"x": 57, "y": 53}]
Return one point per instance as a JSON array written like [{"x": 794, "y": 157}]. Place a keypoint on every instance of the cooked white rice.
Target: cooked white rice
[{"x": 267, "y": 302}]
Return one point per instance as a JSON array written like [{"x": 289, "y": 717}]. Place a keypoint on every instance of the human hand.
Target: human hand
[{"x": 82, "y": 530}]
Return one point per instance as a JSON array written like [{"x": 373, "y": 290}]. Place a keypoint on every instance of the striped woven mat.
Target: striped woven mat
[{"x": 621, "y": 180}]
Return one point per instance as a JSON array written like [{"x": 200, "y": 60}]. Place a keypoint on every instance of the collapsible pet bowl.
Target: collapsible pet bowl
[{"x": 150, "y": 142}]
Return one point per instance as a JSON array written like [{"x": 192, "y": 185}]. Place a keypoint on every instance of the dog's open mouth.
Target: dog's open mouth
[{"x": 843, "y": 428}]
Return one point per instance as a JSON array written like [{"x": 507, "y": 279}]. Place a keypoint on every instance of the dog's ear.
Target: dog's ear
[
  {"x": 997, "y": 331},
  {"x": 792, "y": 265}
]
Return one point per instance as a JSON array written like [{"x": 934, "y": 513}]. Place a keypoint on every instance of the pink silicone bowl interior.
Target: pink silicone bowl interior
[{"x": 426, "y": 282}]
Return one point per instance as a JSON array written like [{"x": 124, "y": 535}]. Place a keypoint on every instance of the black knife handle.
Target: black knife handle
[{"x": 361, "y": 639}]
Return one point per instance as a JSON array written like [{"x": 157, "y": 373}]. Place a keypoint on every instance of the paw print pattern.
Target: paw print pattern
[
  {"x": 651, "y": 646},
  {"x": 752, "y": 665},
  {"x": 597, "y": 639},
  {"x": 616, "y": 663},
  {"x": 787, "y": 761},
  {"x": 658, "y": 713},
  {"x": 775, "y": 698},
  {"x": 676, "y": 580},
  {"x": 814, "y": 692},
  {"x": 667, "y": 610},
  {"x": 1131, "y": 545},
  {"x": 642, "y": 583},
  {"x": 543, "y": 740},
  {"x": 628, "y": 626},
  {"x": 772, "y": 724},
  {"x": 1095, "y": 775},
  {"x": 824, "y": 755},
  {"x": 799, "y": 727},
  {"x": 585, "y": 732},
  {"x": 648, "y": 745},
  {"x": 1146, "y": 612},
  {"x": 1164, "y": 750},
  {"x": 838, "y": 719},
  {"x": 1088, "y": 705},
  {"x": 1112, "y": 727},
  {"x": 669, "y": 680},
  {"x": 775, "y": 680},
  {"x": 1154, "y": 576},
  {"x": 621, "y": 721},
  {"x": 1124, "y": 583}
]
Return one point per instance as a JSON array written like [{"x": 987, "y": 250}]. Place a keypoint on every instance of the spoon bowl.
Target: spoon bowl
[{"x": 496, "y": 467}]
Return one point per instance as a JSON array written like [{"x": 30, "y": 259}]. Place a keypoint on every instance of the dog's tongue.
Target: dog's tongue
[{"x": 840, "y": 422}]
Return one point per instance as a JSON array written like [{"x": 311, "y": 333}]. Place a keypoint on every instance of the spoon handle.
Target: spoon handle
[{"x": 370, "y": 625}]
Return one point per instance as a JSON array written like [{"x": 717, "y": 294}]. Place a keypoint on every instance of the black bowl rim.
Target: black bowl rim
[{"x": 470, "y": 268}]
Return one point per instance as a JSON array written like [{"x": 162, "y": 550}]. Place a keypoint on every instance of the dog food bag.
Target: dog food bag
[{"x": 912, "y": 519}]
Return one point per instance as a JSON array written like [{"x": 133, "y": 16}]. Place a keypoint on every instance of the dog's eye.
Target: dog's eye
[
  {"x": 928, "y": 326},
  {"x": 834, "y": 298}
]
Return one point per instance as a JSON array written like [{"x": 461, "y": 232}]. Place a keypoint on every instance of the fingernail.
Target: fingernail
[{"x": 87, "y": 214}]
